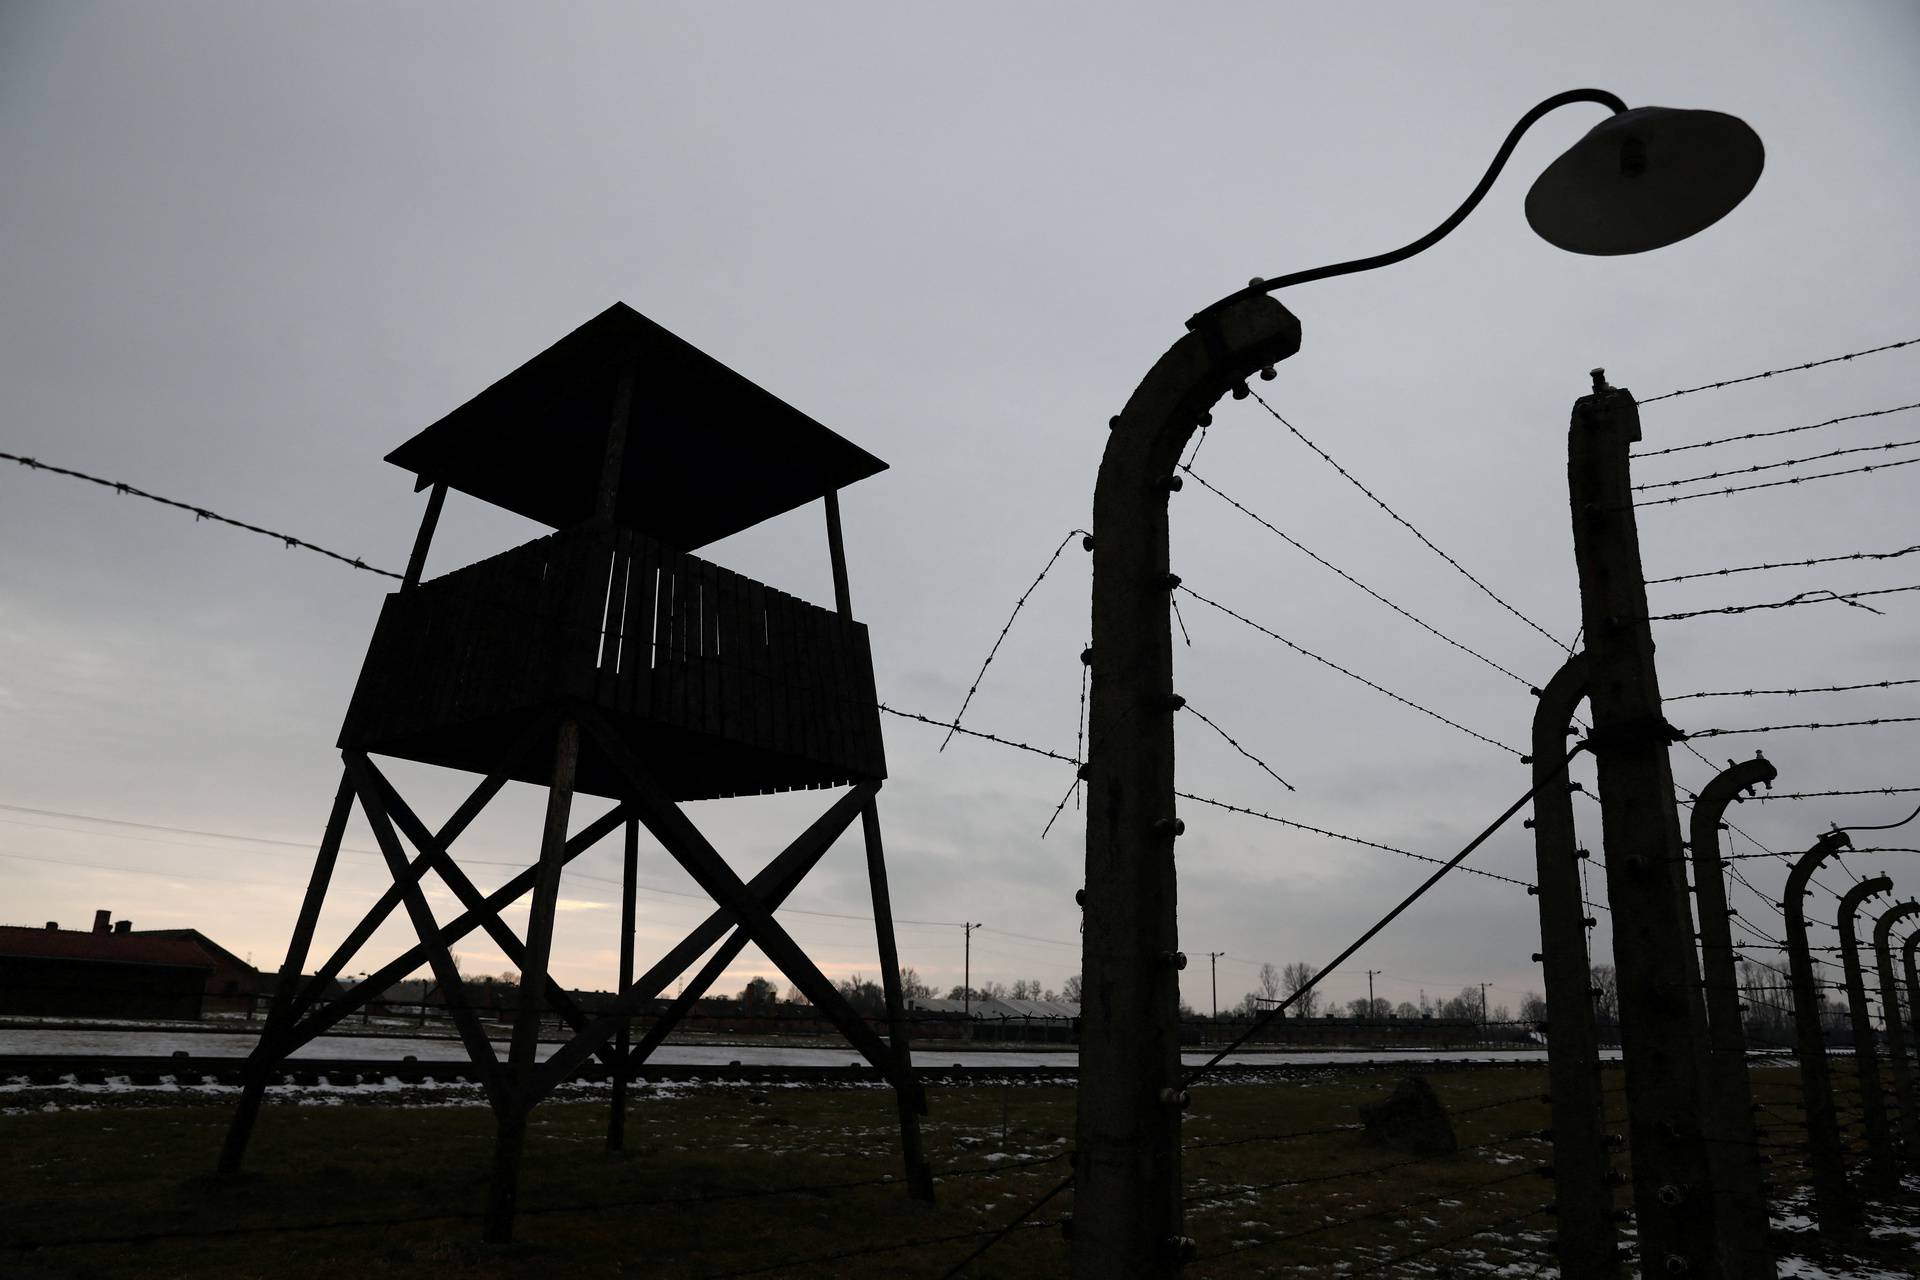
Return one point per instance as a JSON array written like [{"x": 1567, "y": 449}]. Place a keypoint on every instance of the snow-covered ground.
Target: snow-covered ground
[{"x": 82, "y": 1041}]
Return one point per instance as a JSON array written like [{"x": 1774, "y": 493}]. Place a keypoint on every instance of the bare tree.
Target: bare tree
[
  {"x": 911, "y": 987},
  {"x": 1606, "y": 999},
  {"x": 1533, "y": 1008},
  {"x": 1270, "y": 981},
  {"x": 1294, "y": 979},
  {"x": 759, "y": 994},
  {"x": 1070, "y": 990}
]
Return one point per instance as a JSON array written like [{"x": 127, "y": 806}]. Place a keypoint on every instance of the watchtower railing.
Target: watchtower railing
[{"x": 716, "y": 673}]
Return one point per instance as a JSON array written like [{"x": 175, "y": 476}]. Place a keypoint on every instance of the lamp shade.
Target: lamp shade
[{"x": 1645, "y": 178}]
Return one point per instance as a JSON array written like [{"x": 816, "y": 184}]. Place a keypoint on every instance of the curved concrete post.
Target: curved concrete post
[
  {"x": 1587, "y": 1243},
  {"x": 1913, "y": 988},
  {"x": 1127, "y": 1211},
  {"x": 1732, "y": 1095},
  {"x": 1833, "y": 1206},
  {"x": 1896, "y": 1021},
  {"x": 1866, "y": 1054}
]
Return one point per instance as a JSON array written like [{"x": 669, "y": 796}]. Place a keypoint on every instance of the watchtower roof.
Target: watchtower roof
[{"x": 708, "y": 452}]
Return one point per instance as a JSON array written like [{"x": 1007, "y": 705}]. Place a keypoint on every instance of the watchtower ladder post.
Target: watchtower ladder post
[
  {"x": 617, "y": 1115},
  {"x": 912, "y": 1105}
]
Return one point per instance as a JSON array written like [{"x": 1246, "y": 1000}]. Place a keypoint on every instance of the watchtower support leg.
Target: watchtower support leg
[
  {"x": 617, "y": 1116},
  {"x": 504, "y": 1192},
  {"x": 919, "y": 1174},
  {"x": 265, "y": 1053}
]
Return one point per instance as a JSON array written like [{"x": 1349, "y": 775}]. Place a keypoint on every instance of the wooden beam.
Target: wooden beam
[
  {"x": 837, "y": 553},
  {"x": 321, "y": 1020},
  {"x": 417, "y": 562},
  {"x": 690, "y": 849},
  {"x": 629, "y": 869},
  {"x": 479, "y": 1048},
  {"x": 774, "y": 882}
]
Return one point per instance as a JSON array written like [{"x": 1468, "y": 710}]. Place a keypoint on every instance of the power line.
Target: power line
[
  {"x": 1324, "y": 562},
  {"x": 1328, "y": 662},
  {"x": 1775, "y": 466},
  {"x": 1001, "y": 639},
  {"x": 199, "y": 513},
  {"x": 1775, "y": 484},
  {"x": 1788, "y": 564},
  {"x": 1794, "y": 368},
  {"x": 1405, "y": 524}
]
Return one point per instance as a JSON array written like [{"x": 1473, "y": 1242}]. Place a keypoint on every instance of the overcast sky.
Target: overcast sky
[{"x": 248, "y": 249}]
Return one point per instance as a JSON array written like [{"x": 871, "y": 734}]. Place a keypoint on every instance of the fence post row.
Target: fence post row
[
  {"x": 1735, "y": 1147},
  {"x": 1834, "y": 1208},
  {"x": 1866, "y": 1057},
  {"x": 1683, "y": 1222},
  {"x": 1127, "y": 1206},
  {"x": 1891, "y": 1014},
  {"x": 1587, "y": 1245}
]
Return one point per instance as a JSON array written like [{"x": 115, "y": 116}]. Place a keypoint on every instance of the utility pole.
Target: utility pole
[
  {"x": 966, "y": 972},
  {"x": 1128, "y": 1216},
  {"x": 1213, "y": 963},
  {"x": 1483, "y": 1009},
  {"x": 1371, "y": 975},
  {"x": 1663, "y": 1027}
]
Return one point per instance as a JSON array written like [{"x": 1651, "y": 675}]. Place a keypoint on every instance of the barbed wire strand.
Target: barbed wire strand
[
  {"x": 1775, "y": 466},
  {"x": 1406, "y": 524},
  {"x": 1329, "y": 663},
  {"x": 1755, "y": 693},
  {"x": 1776, "y": 484},
  {"x": 199, "y": 513},
  {"x": 1787, "y": 564},
  {"x": 1001, "y": 638},
  {"x": 1792, "y": 368},
  {"x": 1234, "y": 743},
  {"x": 1811, "y": 724},
  {"x": 1818, "y": 596},
  {"x": 1342, "y": 573}
]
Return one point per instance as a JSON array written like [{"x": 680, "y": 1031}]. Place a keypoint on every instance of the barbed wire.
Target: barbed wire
[
  {"x": 976, "y": 733},
  {"x": 1775, "y": 466},
  {"x": 1812, "y": 795},
  {"x": 1776, "y": 484},
  {"x": 1202, "y": 717},
  {"x": 1407, "y": 525},
  {"x": 1001, "y": 638},
  {"x": 1782, "y": 431},
  {"x": 1328, "y": 662},
  {"x": 199, "y": 513},
  {"x": 1811, "y": 724},
  {"x": 1792, "y": 368},
  {"x": 1754, "y": 693},
  {"x": 1788, "y": 564},
  {"x": 1325, "y": 563},
  {"x": 1818, "y": 596},
  {"x": 1337, "y": 835}
]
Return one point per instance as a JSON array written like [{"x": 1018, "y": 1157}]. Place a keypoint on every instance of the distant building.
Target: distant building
[
  {"x": 233, "y": 986},
  {"x": 105, "y": 972}
]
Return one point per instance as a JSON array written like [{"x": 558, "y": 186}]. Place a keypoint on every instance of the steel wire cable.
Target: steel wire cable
[
  {"x": 1814, "y": 795},
  {"x": 1812, "y": 724},
  {"x": 1769, "y": 373}
]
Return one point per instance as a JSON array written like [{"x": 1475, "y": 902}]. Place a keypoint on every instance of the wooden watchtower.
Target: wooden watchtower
[{"x": 605, "y": 659}]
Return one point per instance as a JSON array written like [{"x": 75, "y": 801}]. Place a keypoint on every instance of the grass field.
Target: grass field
[{"x": 724, "y": 1181}]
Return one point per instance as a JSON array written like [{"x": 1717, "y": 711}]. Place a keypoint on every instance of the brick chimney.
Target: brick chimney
[
  {"x": 123, "y": 926},
  {"x": 54, "y": 925},
  {"x": 102, "y": 921}
]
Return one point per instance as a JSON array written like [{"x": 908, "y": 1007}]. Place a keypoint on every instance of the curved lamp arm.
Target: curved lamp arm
[{"x": 1433, "y": 237}]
